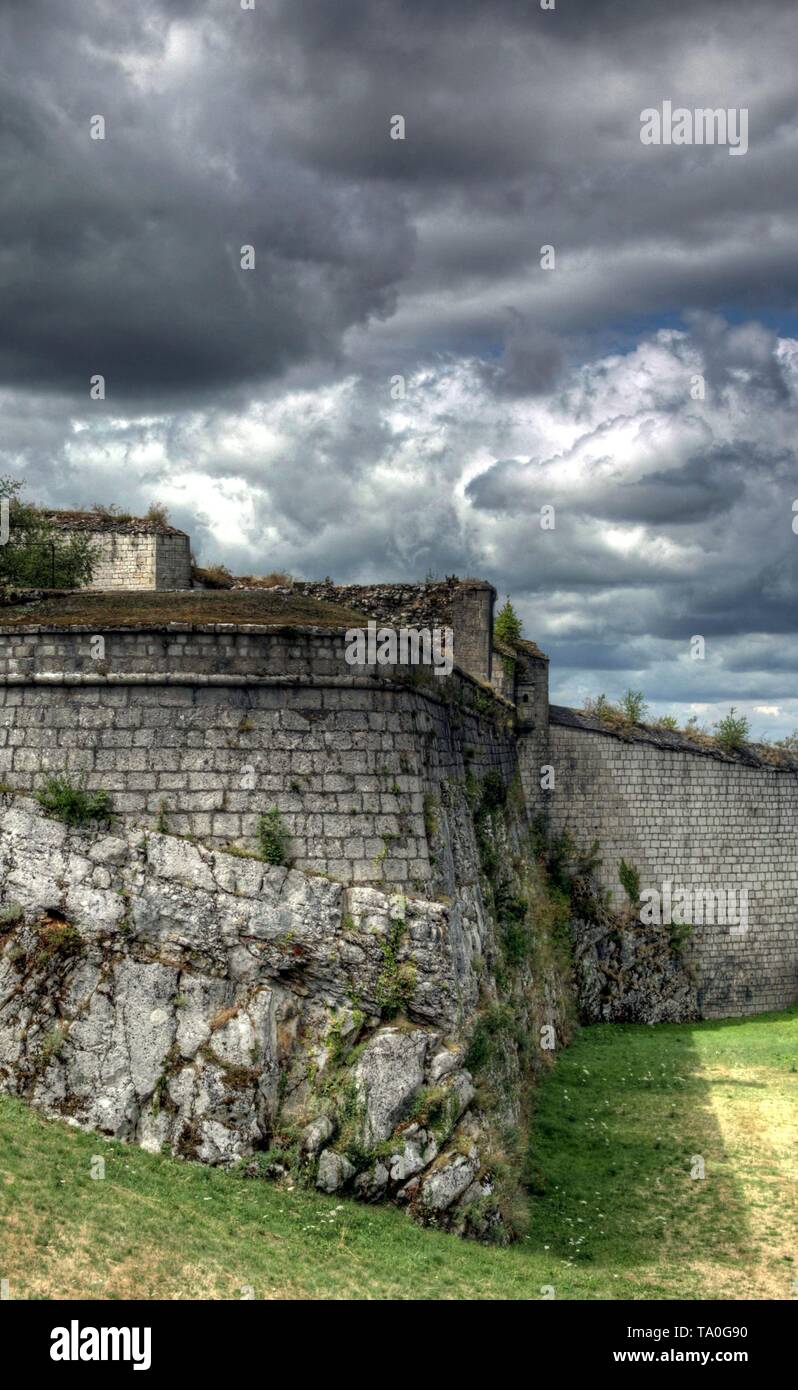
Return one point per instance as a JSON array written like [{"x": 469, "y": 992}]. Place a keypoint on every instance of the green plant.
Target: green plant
[
  {"x": 397, "y": 979},
  {"x": 162, "y": 823},
  {"x": 57, "y": 938},
  {"x": 634, "y": 706},
  {"x": 732, "y": 731},
  {"x": 679, "y": 935},
  {"x": 430, "y": 815},
  {"x": 490, "y": 1026},
  {"x": 38, "y": 553},
  {"x": 71, "y": 803},
  {"x": 668, "y": 721},
  {"x": 273, "y": 837},
  {"x": 52, "y": 1043},
  {"x": 600, "y": 708},
  {"x": 508, "y": 627},
  {"x": 630, "y": 881}
]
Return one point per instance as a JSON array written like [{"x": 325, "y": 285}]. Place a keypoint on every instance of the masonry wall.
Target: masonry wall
[
  {"x": 172, "y": 562},
  {"x": 698, "y": 821},
  {"x": 122, "y": 561},
  {"x": 139, "y": 560},
  {"x": 207, "y": 727},
  {"x": 465, "y": 605}
]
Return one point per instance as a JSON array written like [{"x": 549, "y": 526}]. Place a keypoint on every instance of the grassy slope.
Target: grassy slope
[{"x": 617, "y": 1214}]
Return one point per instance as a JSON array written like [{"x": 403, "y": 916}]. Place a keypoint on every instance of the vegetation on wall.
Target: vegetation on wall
[
  {"x": 273, "y": 838},
  {"x": 526, "y": 1011},
  {"x": 36, "y": 554},
  {"x": 508, "y": 629},
  {"x": 72, "y": 803},
  {"x": 731, "y": 733}
]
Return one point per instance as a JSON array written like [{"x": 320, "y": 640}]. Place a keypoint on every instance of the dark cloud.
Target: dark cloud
[{"x": 262, "y": 406}]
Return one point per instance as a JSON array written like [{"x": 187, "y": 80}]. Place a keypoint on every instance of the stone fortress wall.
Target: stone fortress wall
[
  {"x": 133, "y": 554},
  {"x": 203, "y": 728},
  {"x": 206, "y": 727},
  {"x": 699, "y": 820}
]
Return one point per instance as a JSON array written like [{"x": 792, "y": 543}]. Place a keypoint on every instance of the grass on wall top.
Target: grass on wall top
[{"x": 132, "y": 608}]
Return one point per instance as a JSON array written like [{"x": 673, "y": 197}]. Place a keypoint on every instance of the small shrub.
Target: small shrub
[
  {"x": 508, "y": 627},
  {"x": 430, "y": 816},
  {"x": 213, "y": 577},
  {"x": 277, "y": 579},
  {"x": 71, "y": 802},
  {"x": 600, "y": 708},
  {"x": 157, "y": 514},
  {"x": 667, "y": 722},
  {"x": 397, "y": 979},
  {"x": 58, "y": 939},
  {"x": 488, "y": 1031},
  {"x": 273, "y": 838},
  {"x": 630, "y": 881},
  {"x": 111, "y": 512},
  {"x": 634, "y": 706},
  {"x": 52, "y": 1042},
  {"x": 732, "y": 731}
]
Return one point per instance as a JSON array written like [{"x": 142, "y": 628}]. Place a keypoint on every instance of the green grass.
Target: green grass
[
  {"x": 615, "y": 1212},
  {"x": 133, "y": 608}
]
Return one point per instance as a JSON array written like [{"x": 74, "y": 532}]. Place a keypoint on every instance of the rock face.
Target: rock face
[
  {"x": 230, "y": 1011},
  {"x": 389, "y": 1074},
  {"x": 628, "y": 972}
]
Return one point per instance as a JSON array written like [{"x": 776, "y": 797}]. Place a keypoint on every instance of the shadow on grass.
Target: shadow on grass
[{"x": 623, "y": 1123}]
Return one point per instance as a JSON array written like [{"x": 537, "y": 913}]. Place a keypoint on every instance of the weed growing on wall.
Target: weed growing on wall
[
  {"x": 72, "y": 803},
  {"x": 273, "y": 837},
  {"x": 397, "y": 979},
  {"x": 630, "y": 881},
  {"x": 732, "y": 731}
]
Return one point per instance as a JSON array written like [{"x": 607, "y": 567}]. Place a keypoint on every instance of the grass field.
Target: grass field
[{"x": 621, "y": 1122}]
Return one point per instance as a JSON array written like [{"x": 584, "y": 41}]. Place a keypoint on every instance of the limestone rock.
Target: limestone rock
[
  {"x": 370, "y": 1186},
  {"x": 334, "y": 1171},
  {"x": 447, "y": 1181},
  {"x": 444, "y": 1062},
  {"x": 419, "y": 1150},
  {"x": 316, "y": 1134},
  {"x": 387, "y": 1077}
]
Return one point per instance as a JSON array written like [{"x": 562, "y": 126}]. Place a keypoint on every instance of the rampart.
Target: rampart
[{"x": 700, "y": 820}]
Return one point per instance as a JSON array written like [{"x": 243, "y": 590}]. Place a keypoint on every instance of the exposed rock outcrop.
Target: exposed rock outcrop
[{"x": 230, "y": 1011}]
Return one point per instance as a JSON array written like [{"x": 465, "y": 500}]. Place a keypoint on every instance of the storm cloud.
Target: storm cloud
[{"x": 400, "y": 384}]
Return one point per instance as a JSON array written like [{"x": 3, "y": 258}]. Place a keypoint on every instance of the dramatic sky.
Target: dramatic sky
[{"x": 262, "y": 406}]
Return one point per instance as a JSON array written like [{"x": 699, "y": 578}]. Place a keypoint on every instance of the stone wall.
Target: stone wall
[
  {"x": 465, "y": 605},
  {"x": 231, "y": 1010},
  {"x": 169, "y": 995},
  {"x": 208, "y": 727},
  {"x": 139, "y": 559},
  {"x": 172, "y": 561},
  {"x": 699, "y": 820}
]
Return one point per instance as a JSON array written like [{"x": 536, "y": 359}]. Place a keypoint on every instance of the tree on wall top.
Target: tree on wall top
[
  {"x": 34, "y": 553},
  {"x": 508, "y": 627}
]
